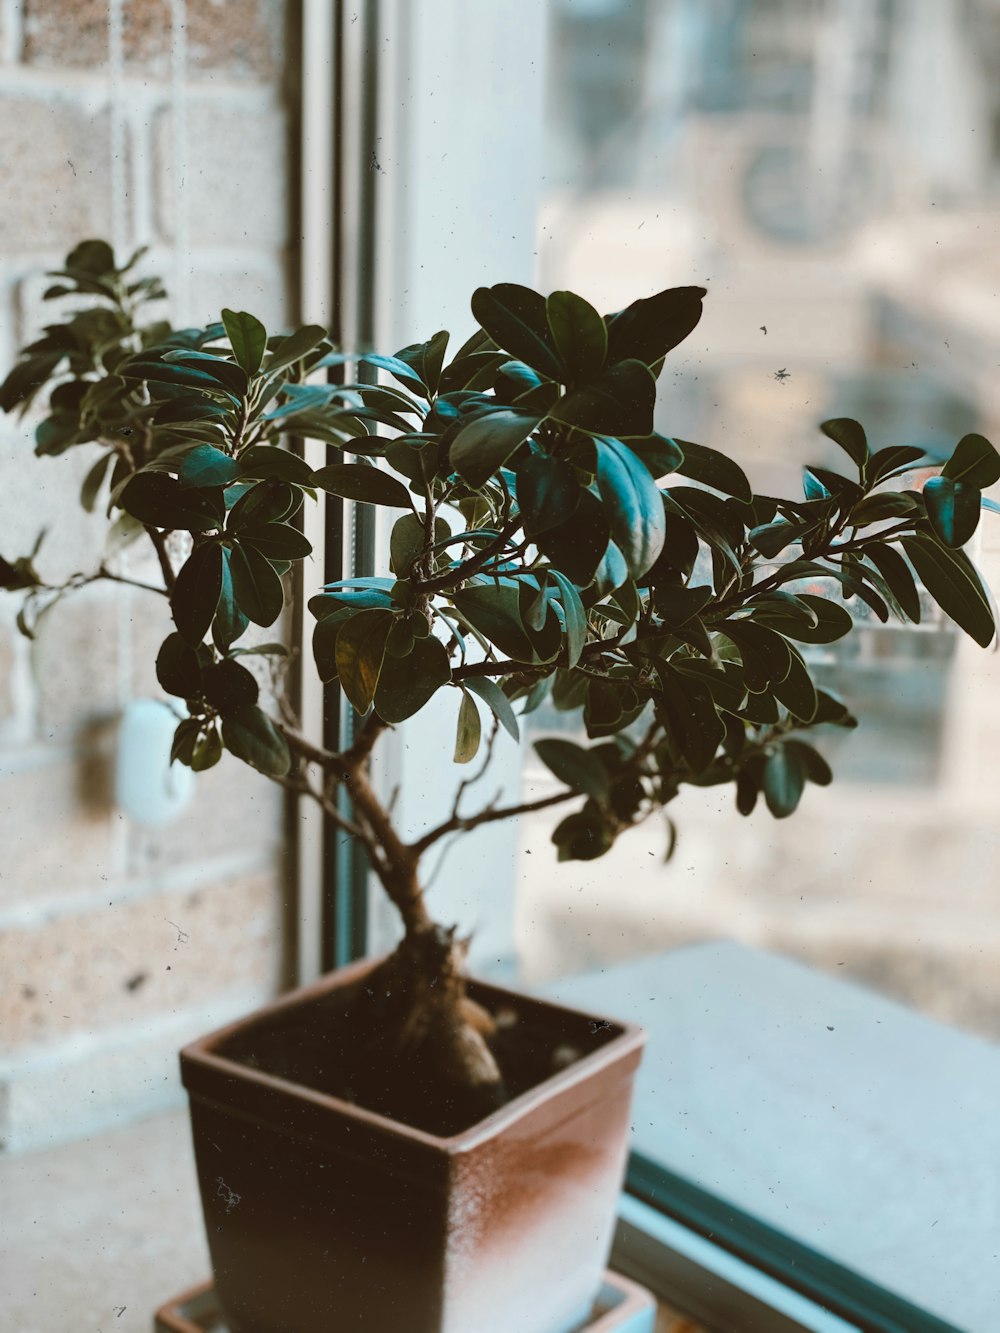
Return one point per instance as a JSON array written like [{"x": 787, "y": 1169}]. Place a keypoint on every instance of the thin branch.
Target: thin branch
[
  {"x": 464, "y": 571},
  {"x": 103, "y": 573},
  {"x": 160, "y": 544},
  {"x": 488, "y": 816}
]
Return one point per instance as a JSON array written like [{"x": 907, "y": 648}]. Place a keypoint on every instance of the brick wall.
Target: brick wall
[{"x": 118, "y": 943}]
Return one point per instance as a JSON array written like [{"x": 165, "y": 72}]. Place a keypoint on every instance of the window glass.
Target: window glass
[{"x": 829, "y": 172}]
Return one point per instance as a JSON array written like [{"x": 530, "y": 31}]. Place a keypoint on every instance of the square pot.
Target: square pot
[{"x": 322, "y": 1215}]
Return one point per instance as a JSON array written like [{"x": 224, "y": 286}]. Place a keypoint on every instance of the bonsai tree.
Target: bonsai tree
[{"x": 536, "y": 555}]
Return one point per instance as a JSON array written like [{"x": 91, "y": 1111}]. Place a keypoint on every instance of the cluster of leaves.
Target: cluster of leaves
[{"x": 537, "y": 555}]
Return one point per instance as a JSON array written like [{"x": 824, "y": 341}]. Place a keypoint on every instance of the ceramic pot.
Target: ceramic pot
[{"x": 322, "y": 1215}]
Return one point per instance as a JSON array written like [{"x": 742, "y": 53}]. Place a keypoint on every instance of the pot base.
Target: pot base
[{"x": 621, "y": 1307}]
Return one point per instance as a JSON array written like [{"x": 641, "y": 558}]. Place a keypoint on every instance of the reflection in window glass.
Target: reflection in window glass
[{"x": 829, "y": 171}]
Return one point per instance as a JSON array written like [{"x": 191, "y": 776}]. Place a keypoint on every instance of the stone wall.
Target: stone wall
[{"x": 117, "y": 942}]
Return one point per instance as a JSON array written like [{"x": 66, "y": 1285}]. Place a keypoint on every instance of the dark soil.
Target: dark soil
[{"x": 328, "y": 1045}]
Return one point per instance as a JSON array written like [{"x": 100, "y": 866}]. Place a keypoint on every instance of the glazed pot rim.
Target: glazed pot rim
[{"x": 625, "y": 1046}]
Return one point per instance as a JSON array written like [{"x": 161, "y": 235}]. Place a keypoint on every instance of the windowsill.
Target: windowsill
[{"x": 811, "y": 1124}]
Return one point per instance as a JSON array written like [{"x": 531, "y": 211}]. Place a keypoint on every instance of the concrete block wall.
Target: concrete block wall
[{"x": 119, "y": 943}]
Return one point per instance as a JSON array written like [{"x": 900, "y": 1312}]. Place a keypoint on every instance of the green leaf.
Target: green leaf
[
  {"x": 495, "y": 699},
  {"x": 93, "y": 481},
  {"x": 278, "y": 541},
  {"x": 548, "y": 492},
  {"x": 765, "y": 654},
  {"x": 177, "y": 667},
  {"x": 267, "y": 460},
  {"x": 897, "y": 458},
  {"x": 515, "y": 317},
  {"x": 94, "y": 257},
  {"x": 850, "y": 435},
  {"x": 952, "y": 581},
  {"x": 784, "y": 781},
  {"x": 974, "y": 461},
  {"x": 583, "y": 836},
  {"x": 575, "y": 618},
  {"x": 578, "y": 546},
  {"x": 197, "y": 591},
  {"x": 483, "y": 446},
  {"x": 495, "y": 612},
  {"x": 230, "y": 622},
  {"x": 695, "y": 727},
  {"x": 250, "y": 735},
  {"x": 26, "y": 378},
  {"x": 797, "y": 691},
  {"x": 896, "y": 573},
  {"x": 770, "y": 539},
  {"x": 207, "y": 466},
  {"x": 660, "y": 454},
  {"x": 228, "y": 686},
  {"x": 257, "y": 588},
  {"x": 832, "y": 621},
  {"x": 232, "y": 378},
  {"x": 708, "y": 467},
  {"x": 185, "y": 740},
  {"x": 649, "y": 328},
  {"x": 407, "y": 683},
  {"x": 360, "y": 654},
  {"x": 576, "y": 767},
  {"x": 579, "y": 334},
  {"x": 161, "y": 502},
  {"x": 952, "y": 508},
  {"x": 207, "y": 751},
  {"x": 816, "y": 768},
  {"x": 632, "y": 504},
  {"x": 295, "y": 347},
  {"x": 267, "y": 502},
  {"x": 887, "y": 504},
  {"x": 617, "y": 402},
  {"x": 356, "y": 481},
  {"x": 247, "y": 337},
  {"x": 469, "y": 732}
]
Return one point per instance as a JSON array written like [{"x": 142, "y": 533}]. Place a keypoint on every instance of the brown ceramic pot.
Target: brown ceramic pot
[{"x": 322, "y": 1216}]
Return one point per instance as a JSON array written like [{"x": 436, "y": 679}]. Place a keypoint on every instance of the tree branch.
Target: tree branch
[
  {"x": 488, "y": 816},
  {"x": 160, "y": 544}
]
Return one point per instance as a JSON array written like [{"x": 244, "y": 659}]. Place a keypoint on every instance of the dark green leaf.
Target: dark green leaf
[
  {"x": 575, "y": 618},
  {"x": 576, "y": 767},
  {"x": 177, "y": 667},
  {"x": 974, "y": 461},
  {"x": 207, "y": 751},
  {"x": 579, "y": 334},
  {"x": 832, "y": 621},
  {"x": 695, "y": 728},
  {"x": 660, "y": 454},
  {"x": 515, "y": 318},
  {"x": 710, "y": 468},
  {"x": 583, "y": 836},
  {"x": 483, "y": 446},
  {"x": 278, "y": 541},
  {"x": 161, "y": 502},
  {"x": 896, "y": 573},
  {"x": 897, "y": 458},
  {"x": 356, "y": 481},
  {"x": 784, "y": 781},
  {"x": 257, "y": 588},
  {"x": 578, "y": 546},
  {"x": 248, "y": 338},
  {"x": 197, "y": 591},
  {"x": 495, "y": 612},
  {"x": 360, "y": 654},
  {"x": 850, "y": 435},
  {"x": 185, "y": 740},
  {"x": 207, "y": 466},
  {"x": 547, "y": 492},
  {"x": 952, "y": 581},
  {"x": 469, "y": 731},
  {"x": 648, "y": 329},
  {"x": 765, "y": 654},
  {"x": 232, "y": 377},
  {"x": 228, "y": 686},
  {"x": 407, "y": 683},
  {"x": 93, "y": 481},
  {"x": 269, "y": 501},
  {"x": 495, "y": 699},
  {"x": 230, "y": 622},
  {"x": 94, "y": 257},
  {"x": 816, "y": 768},
  {"x": 797, "y": 691},
  {"x": 887, "y": 504},
  {"x": 952, "y": 508},
  {"x": 295, "y": 347},
  {"x": 267, "y": 460},
  {"x": 632, "y": 504},
  {"x": 617, "y": 402},
  {"x": 27, "y": 377},
  {"x": 250, "y": 735}
]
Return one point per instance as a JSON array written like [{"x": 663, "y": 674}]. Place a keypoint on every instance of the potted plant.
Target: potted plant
[{"x": 397, "y": 1146}]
